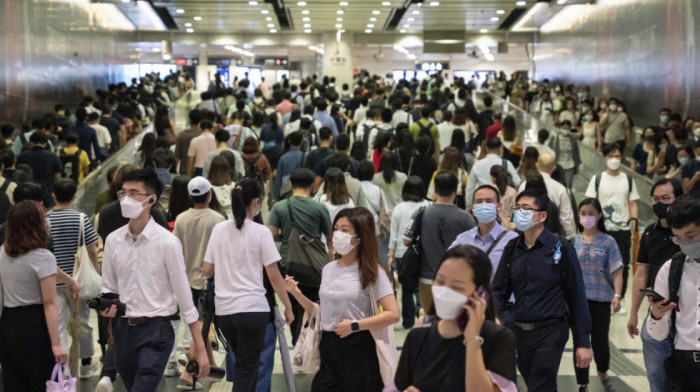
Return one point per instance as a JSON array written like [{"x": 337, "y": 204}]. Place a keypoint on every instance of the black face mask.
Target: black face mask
[
  {"x": 649, "y": 138},
  {"x": 661, "y": 209}
]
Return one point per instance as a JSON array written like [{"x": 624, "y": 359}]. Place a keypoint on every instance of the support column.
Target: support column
[
  {"x": 337, "y": 60},
  {"x": 202, "y": 78}
]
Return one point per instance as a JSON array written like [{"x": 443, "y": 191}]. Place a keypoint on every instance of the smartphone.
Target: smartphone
[
  {"x": 653, "y": 294},
  {"x": 463, "y": 318}
]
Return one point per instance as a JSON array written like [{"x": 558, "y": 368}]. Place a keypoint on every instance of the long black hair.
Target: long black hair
[
  {"x": 388, "y": 166},
  {"x": 242, "y": 195}
]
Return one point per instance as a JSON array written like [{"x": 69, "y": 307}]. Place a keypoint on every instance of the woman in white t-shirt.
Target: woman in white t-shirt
[
  {"x": 349, "y": 360},
  {"x": 220, "y": 178},
  {"x": 238, "y": 250}
]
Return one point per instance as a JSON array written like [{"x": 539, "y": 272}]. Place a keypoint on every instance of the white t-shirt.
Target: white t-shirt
[
  {"x": 239, "y": 257},
  {"x": 445, "y": 130},
  {"x": 614, "y": 197},
  {"x": 342, "y": 295}
]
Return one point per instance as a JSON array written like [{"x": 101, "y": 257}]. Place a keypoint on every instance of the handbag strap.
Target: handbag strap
[
  {"x": 81, "y": 240},
  {"x": 498, "y": 239},
  {"x": 57, "y": 374},
  {"x": 419, "y": 223}
]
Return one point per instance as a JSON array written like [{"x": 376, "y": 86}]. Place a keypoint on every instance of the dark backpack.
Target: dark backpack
[
  {"x": 674, "y": 283},
  {"x": 424, "y": 131},
  {"x": 365, "y": 137},
  {"x": 4, "y": 201},
  {"x": 71, "y": 164},
  {"x": 597, "y": 184},
  {"x": 251, "y": 169}
]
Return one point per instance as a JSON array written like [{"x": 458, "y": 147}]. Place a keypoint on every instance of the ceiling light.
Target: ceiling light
[
  {"x": 188, "y": 24},
  {"x": 376, "y": 12},
  {"x": 180, "y": 11},
  {"x": 370, "y": 25},
  {"x": 264, "y": 12},
  {"x": 253, "y": 2},
  {"x": 156, "y": 50},
  {"x": 386, "y": 3},
  {"x": 307, "y": 25},
  {"x": 198, "y": 18},
  {"x": 343, "y": 3},
  {"x": 407, "y": 25},
  {"x": 368, "y": 31},
  {"x": 372, "y": 19},
  {"x": 268, "y": 19},
  {"x": 270, "y": 25},
  {"x": 339, "y": 19},
  {"x": 339, "y": 12},
  {"x": 501, "y": 12},
  {"x": 338, "y": 26},
  {"x": 307, "y": 31},
  {"x": 190, "y": 30},
  {"x": 415, "y": 12},
  {"x": 483, "y": 30},
  {"x": 273, "y": 31},
  {"x": 411, "y": 19},
  {"x": 304, "y": 12},
  {"x": 561, "y": 2},
  {"x": 306, "y": 19},
  {"x": 167, "y": 57},
  {"x": 402, "y": 31},
  {"x": 434, "y": 3},
  {"x": 494, "y": 19},
  {"x": 301, "y": 3},
  {"x": 520, "y": 3}
]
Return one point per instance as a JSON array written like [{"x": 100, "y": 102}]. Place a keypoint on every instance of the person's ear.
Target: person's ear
[
  {"x": 53, "y": 196},
  {"x": 499, "y": 207}
]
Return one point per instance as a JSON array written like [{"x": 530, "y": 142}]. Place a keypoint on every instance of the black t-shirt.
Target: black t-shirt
[
  {"x": 423, "y": 167},
  {"x": 430, "y": 362},
  {"x": 112, "y": 126},
  {"x": 656, "y": 248},
  {"x": 315, "y": 157}
]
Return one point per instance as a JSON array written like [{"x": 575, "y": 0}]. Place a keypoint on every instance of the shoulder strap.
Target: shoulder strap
[
  {"x": 674, "y": 282},
  {"x": 4, "y": 186},
  {"x": 629, "y": 184},
  {"x": 498, "y": 239},
  {"x": 419, "y": 223},
  {"x": 410, "y": 166},
  {"x": 289, "y": 207},
  {"x": 597, "y": 183}
]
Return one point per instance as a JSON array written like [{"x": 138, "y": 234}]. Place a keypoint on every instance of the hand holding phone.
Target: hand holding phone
[{"x": 656, "y": 297}]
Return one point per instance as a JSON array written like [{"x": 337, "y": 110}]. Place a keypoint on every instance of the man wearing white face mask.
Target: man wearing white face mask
[
  {"x": 545, "y": 276},
  {"x": 618, "y": 195},
  {"x": 144, "y": 265}
]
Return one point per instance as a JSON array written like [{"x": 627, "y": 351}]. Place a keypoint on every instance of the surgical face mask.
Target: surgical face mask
[
  {"x": 663, "y": 146},
  {"x": 696, "y": 132},
  {"x": 588, "y": 221},
  {"x": 649, "y": 138},
  {"x": 565, "y": 131},
  {"x": 697, "y": 158},
  {"x": 661, "y": 209},
  {"x": 683, "y": 160},
  {"x": 341, "y": 242},
  {"x": 523, "y": 220},
  {"x": 588, "y": 117},
  {"x": 131, "y": 208},
  {"x": 614, "y": 163},
  {"x": 691, "y": 249},
  {"x": 613, "y": 107},
  {"x": 448, "y": 303},
  {"x": 664, "y": 118},
  {"x": 485, "y": 212},
  {"x": 584, "y": 108},
  {"x": 582, "y": 95}
]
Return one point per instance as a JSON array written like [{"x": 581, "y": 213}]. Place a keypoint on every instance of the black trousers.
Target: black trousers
[
  {"x": 142, "y": 352},
  {"x": 539, "y": 355},
  {"x": 600, "y": 328},
  {"x": 624, "y": 242},
  {"x": 295, "y": 327},
  {"x": 682, "y": 373},
  {"x": 348, "y": 365},
  {"x": 245, "y": 334},
  {"x": 25, "y": 349}
]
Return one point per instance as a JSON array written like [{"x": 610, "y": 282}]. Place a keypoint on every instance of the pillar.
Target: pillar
[{"x": 337, "y": 60}]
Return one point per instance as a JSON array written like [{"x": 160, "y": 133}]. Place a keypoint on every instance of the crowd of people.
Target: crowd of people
[{"x": 368, "y": 187}]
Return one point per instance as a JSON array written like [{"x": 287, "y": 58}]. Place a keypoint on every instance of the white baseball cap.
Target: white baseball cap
[{"x": 198, "y": 186}]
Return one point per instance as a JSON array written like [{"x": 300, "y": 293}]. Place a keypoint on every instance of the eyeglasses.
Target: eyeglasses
[
  {"x": 664, "y": 199},
  {"x": 131, "y": 194},
  {"x": 515, "y": 209},
  {"x": 682, "y": 241}
]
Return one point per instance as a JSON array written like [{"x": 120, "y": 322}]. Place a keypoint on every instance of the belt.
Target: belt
[
  {"x": 135, "y": 321},
  {"x": 685, "y": 354},
  {"x": 539, "y": 324}
]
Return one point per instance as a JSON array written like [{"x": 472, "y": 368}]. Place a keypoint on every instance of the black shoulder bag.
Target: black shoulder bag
[{"x": 409, "y": 269}]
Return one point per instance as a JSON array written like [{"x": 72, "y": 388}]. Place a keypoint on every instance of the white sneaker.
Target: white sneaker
[
  {"x": 623, "y": 310},
  {"x": 105, "y": 385},
  {"x": 171, "y": 370},
  {"x": 87, "y": 371}
]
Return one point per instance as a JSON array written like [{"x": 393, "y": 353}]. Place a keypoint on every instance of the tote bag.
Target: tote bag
[
  {"x": 307, "y": 355},
  {"x": 85, "y": 274},
  {"x": 58, "y": 384},
  {"x": 385, "y": 341}
]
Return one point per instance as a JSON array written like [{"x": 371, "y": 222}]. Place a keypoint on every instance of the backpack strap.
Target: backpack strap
[
  {"x": 674, "y": 282},
  {"x": 597, "y": 183},
  {"x": 5, "y": 185}
]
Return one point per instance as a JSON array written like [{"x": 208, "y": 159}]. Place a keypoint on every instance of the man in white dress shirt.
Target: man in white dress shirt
[
  {"x": 481, "y": 171},
  {"x": 143, "y": 263},
  {"x": 678, "y": 281}
]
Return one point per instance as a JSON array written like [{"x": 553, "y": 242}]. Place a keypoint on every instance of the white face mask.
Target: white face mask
[
  {"x": 614, "y": 163},
  {"x": 131, "y": 208},
  {"x": 342, "y": 242},
  {"x": 613, "y": 108},
  {"x": 448, "y": 303}
]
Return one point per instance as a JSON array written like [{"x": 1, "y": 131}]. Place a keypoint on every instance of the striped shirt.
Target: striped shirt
[
  {"x": 65, "y": 231},
  {"x": 599, "y": 259}
]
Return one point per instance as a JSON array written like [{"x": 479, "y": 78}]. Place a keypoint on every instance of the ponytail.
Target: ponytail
[
  {"x": 241, "y": 196},
  {"x": 386, "y": 165},
  {"x": 501, "y": 176}
]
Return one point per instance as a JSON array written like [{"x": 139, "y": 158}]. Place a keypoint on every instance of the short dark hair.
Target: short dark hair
[
  {"x": 541, "y": 198},
  {"x": 684, "y": 212},
  {"x": 423, "y": 144},
  {"x": 81, "y": 114},
  {"x": 206, "y": 124},
  {"x": 64, "y": 190},
  {"x": 39, "y": 138},
  {"x": 295, "y": 138},
  {"x": 195, "y": 116},
  {"x": 425, "y": 111},
  {"x": 342, "y": 142},
  {"x": 305, "y": 123},
  {"x": 8, "y": 158},
  {"x": 7, "y": 130},
  {"x": 72, "y": 138},
  {"x": 28, "y": 191},
  {"x": 488, "y": 101},
  {"x": 493, "y": 144},
  {"x": 325, "y": 133},
  {"x": 302, "y": 178},
  {"x": 340, "y": 160},
  {"x": 222, "y": 135},
  {"x": 491, "y": 187},
  {"x": 146, "y": 176},
  {"x": 413, "y": 189},
  {"x": 542, "y": 135},
  {"x": 365, "y": 171},
  {"x": 387, "y": 114},
  {"x": 446, "y": 183},
  {"x": 565, "y": 122},
  {"x": 677, "y": 186},
  {"x": 199, "y": 199},
  {"x": 610, "y": 148},
  {"x": 93, "y": 116}
]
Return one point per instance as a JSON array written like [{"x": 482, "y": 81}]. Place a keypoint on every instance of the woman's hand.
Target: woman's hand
[
  {"x": 288, "y": 316},
  {"x": 60, "y": 354},
  {"x": 292, "y": 287},
  {"x": 476, "y": 308},
  {"x": 74, "y": 287},
  {"x": 343, "y": 328},
  {"x": 615, "y": 305}
]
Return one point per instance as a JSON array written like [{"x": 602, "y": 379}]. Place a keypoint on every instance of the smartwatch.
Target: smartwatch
[{"x": 355, "y": 326}]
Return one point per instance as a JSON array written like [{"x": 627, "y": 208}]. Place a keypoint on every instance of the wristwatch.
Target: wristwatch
[
  {"x": 355, "y": 326},
  {"x": 617, "y": 295}
]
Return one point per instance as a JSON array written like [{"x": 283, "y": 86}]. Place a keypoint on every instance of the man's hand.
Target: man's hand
[
  {"x": 659, "y": 308},
  {"x": 632, "y": 323},
  {"x": 288, "y": 316},
  {"x": 583, "y": 357},
  {"x": 110, "y": 313},
  {"x": 202, "y": 360}
]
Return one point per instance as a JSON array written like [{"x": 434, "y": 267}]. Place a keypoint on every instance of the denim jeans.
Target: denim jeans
[{"x": 655, "y": 353}]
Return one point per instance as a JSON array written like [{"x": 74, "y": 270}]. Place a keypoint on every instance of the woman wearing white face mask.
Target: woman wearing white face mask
[
  {"x": 617, "y": 125},
  {"x": 349, "y": 360},
  {"x": 237, "y": 252},
  {"x": 601, "y": 265},
  {"x": 465, "y": 350},
  {"x": 591, "y": 129},
  {"x": 565, "y": 146}
]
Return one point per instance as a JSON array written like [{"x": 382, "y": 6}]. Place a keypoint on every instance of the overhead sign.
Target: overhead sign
[
  {"x": 272, "y": 61},
  {"x": 427, "y": 67},
  {"x": 180, "y": 61}
]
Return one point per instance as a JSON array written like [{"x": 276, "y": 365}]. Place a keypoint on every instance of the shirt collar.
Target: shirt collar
[
  {"x": 148, "y": 232},
  {"x": 494, "y": 233},
  {"x": 545, "y": 240}
]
